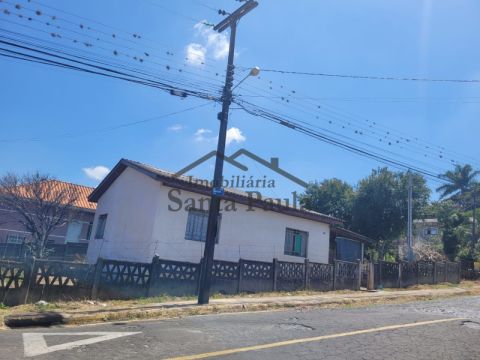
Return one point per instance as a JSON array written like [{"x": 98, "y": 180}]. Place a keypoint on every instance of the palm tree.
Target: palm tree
[
  {"x": 462, "y": 185},
  {"x": 461, "y": 180}
]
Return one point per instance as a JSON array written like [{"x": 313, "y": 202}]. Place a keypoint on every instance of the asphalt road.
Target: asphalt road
[{"x": 412, "y": 331}]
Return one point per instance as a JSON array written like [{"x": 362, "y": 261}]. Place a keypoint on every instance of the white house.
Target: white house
[{"x": 143, "y": 211}]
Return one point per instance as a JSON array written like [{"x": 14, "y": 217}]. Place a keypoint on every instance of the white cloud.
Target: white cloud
[
  {"x": 195, "y": 54},
  {"x": 235, "y": 135},
  {"x": 216, "y": 43},
  {"x": 96, "y": 173},
  {"x": 202, "y": 135},
  {"x": 176, "y": 127}
]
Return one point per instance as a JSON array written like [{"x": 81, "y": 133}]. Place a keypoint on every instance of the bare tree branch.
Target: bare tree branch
[{"x": 41, "y": 203}]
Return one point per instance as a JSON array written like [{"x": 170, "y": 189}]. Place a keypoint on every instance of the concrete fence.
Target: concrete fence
[
  {"x": 403, "y": 274},
  {"x": 50, "y": 280}
]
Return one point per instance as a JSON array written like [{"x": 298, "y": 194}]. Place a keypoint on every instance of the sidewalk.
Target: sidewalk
[{"x": 102, "y": 312}]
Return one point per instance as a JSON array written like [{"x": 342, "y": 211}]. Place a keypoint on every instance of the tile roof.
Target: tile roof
[{"x": 80, "y": 192}]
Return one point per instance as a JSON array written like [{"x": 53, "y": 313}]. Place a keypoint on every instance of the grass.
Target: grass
[{"x": 88, "y": 305}]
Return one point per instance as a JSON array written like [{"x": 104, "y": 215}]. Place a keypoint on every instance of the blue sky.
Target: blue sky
[{"x": 52, "y": 119}]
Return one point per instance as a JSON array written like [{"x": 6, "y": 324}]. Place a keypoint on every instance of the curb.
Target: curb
[
  {"x": 34, "y": 319},
  {"x": 167, "y": 311}
]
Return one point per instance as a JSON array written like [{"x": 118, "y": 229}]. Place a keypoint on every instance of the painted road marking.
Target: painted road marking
[
  {"x": 310, "y": 339},
  {"x": 34, "y": 343}
]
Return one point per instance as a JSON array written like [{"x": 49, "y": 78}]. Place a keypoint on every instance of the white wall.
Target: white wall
[
  {"x": 141, "y": 225},
  {"x": 131, "y": 203}
]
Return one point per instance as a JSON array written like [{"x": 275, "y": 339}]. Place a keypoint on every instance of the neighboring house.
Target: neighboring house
[
  {"x": 143, "y": 211},
  {"x": 424, "y": 230},
  {"x": 75, "y": 231}
]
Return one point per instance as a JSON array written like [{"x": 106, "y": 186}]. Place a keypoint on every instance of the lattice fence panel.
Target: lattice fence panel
[
  {"x": 321, "y": 272},
  {"x": 177, "y": 270},
  {"x": 257, "y": 270},
  {"x": 346, "y": 270},
  {"x": 61, "y": 274},
  {"x": 226, "y": 270},
  {"x": 389, "y": 274},
  {"x": 452, "y": 272},
  {"x": 425, "y": 272},
  {"x": 12, "y": 275},
  {"x": 121, "y": 273},
  {"x": 291, "y": 271},
  {"x": 440, "y": 268},
  {"x": 346, "y": 274},
  {"x": 409, "y": 273}
]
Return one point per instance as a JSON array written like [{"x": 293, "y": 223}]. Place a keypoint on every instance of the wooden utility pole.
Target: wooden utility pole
[{"x": 217, "y": 190}]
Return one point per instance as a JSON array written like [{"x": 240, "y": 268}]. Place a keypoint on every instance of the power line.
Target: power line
[
  {"x": 133, "y": 37},
  {"x": 104, "y": 129},
  {"x": 141, "y": 56},
  {"x": 101, "y": 70},
  {"x": 255, "y": 111},
  {"x": 371, "y": 77},
  {"x": 87, "y": 55},
  {"x": 363, "y": 126}
]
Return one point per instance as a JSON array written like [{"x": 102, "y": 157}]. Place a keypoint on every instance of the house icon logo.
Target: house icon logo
[{"x": 273, "y": 165}]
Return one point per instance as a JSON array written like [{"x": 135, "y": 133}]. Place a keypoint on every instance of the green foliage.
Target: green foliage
[
  {"x": 461, "y": 180},
  {"x": 332, "y": 197},
  {"x": 3, "y": 306},
  {"x": 455, "y": 228},
  {"x": 377, "y": 208}
]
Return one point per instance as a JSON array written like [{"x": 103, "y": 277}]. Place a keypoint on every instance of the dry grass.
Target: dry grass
[{"x": 138, "y": 308}]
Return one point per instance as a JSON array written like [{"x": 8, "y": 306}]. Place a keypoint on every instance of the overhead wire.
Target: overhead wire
[
  {"x": 436, "y": 152},
  {"x": 104, "y": 129}
]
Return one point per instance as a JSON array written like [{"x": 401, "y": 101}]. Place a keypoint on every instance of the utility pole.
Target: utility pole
[
  {"x": 474, "y": 222},
  {"x": 410, "y": 218},
  {"x": 217, "y": 190}
]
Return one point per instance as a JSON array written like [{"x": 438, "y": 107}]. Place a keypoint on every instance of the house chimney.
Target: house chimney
[{"x": 274, "y": 162}]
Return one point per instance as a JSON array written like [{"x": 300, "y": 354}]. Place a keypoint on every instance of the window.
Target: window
[
  {"x": 348, "y": 250},
  {"x": 102, "y": 221},
  {"x": 74, "y": 231},
  {"x": 430, "y": 231},
  {"x": 197, "y": 223},
  {"x": 89, "y": 230},
  {"x": 15, "y": 239},
  {"x": 296, "y": 242}
]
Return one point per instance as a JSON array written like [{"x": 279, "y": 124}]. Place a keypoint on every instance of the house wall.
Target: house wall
[
  {"x": 131, "y": 203},
  {"x": 140, "y": 225},
  {"x": 9, "y": 224}
]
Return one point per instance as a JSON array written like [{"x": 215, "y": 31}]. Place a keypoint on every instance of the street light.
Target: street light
[{"x": 253, "y": 72}]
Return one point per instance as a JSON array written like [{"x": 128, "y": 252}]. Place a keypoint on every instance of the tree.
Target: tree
[
  {"x": 461, "y": 180},
  {"x": 455, "y": 228},
  {"x": 41, "y": 206},
  {"x": 380, "y": 206},
  {"x": 463, "y": 189},
  {"x": 333, "y": 197}
]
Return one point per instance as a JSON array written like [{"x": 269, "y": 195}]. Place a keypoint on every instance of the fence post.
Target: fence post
[
  {"x": 334, "y": 275},
  {"x": 445, "y": 272},
  {"x": 29, "y": 275},
  {"x": 418, "y": 272},
  {"x": 380, "y": 274},
  {"x": 96, "y": 278},
  {"x": 199, "y": 274},
  {"x": 153, "y": 275},
  {"x": 400, "y": 274},
  {"x": 371, "y": 276},
  {"x": 306, "y": 275},
  {"x": 359, "y": 274},
  {"x": 275, "y": 274},
  {"x": 459, "y": 270},
  {"x": 240, "y": 276},
  {"x": 435, "y": 272}
]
